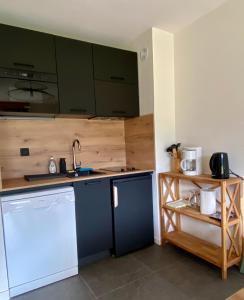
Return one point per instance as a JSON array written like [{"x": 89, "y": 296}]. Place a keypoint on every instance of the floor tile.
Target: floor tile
[
  {"x": 219, "y": 289},
  {"x": 147, "y": 288},
  {"x": 69, "y": 289},
  {"x": 200, "y": 280},
  {"x": 166, "y": 273},
  {"x": 111, "y": 273},
  {"x": 157, "y": 257},
  {"x": 189, "y": 276}
]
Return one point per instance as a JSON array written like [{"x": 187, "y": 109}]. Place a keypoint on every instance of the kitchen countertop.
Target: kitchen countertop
[{"x": 21, "y": 183}]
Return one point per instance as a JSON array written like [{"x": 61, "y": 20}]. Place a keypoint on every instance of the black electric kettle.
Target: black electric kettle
[{"x": 219, "y": 165}]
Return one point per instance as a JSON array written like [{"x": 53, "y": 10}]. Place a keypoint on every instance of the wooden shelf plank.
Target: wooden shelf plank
[
  {"x": 234, "y": 261},
  {"x": 204, "y": 178},
  {"x": 196, "y": 246},
  {"x": 194, "y": 213}
]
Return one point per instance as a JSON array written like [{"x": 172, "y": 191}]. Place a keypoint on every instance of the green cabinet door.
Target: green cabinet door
[
  {"x": 27, "y": 50},
  {"x": 75, "y": 77}
]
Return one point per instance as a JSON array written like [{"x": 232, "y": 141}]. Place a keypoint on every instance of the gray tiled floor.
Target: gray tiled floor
[{"x": 154, "y": 273}]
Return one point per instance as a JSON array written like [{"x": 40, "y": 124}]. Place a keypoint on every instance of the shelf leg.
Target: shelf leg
[
  {"x": 224, "y": 274},
  {"x": 177, "y": 194},
  {"x": 240, "y": 203},
  {"x": 223, "y": 230},
  {"x": 161, "y": 210}
]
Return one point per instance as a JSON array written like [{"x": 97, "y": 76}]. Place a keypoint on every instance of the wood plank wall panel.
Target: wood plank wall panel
[
  {"x": 139, "y": 141},
  {"x": 102, "y": 143}
]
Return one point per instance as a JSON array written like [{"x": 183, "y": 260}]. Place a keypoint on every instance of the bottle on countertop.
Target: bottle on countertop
[
  {"x": 62, "y": 166},
  {"x": 52, "y": 166}
]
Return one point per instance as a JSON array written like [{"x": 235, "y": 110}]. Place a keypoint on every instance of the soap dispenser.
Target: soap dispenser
[{"x": 52, "y": 166}]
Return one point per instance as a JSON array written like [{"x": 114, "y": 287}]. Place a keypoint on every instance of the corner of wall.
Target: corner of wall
[
  {"x": 164, "y": 95},
  {"x": 145, "y": 72}
]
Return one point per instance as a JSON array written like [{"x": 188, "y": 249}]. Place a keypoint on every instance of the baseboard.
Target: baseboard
[
  {"x": 157, "y": 241},
  {"x": 29, "y": 286},
  {"x": 93, "y": 258}
]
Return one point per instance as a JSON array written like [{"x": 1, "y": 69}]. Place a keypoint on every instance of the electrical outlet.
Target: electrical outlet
[{"x": 24, "y": 152}]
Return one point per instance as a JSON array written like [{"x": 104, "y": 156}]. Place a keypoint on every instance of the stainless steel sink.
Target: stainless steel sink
[
  {"x": 73, "y": 174},
  {"x": 43, "y": 176}
]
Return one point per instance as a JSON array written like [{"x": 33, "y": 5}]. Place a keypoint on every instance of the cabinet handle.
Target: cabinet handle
[
  {"x": 117, "y": 78},
  {"x": 24, "y": 65},
  {"x": 119, "y": 112},
  {"x": 78, "y": 110},
  {"x": 115, "y": 196}
]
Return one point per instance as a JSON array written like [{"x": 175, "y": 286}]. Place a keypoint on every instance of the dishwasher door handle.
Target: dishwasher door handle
[{"x": 115, "y": 196}]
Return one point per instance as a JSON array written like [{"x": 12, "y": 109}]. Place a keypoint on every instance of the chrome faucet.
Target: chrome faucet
[{"x": 75, "y": 164}]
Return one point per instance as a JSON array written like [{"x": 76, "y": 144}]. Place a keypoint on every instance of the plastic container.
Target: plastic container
[
  {"x": 208, "y": 201},
  {"x": 52, "y": 166}
]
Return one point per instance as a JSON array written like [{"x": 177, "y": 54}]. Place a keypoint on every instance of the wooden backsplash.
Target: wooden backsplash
[
  {"x": 139, "y": 142},
  {"x": 102, "y": 143}
]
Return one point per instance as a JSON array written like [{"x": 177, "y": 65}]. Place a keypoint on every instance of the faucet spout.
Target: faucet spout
[{"x": 75, "y": 164}]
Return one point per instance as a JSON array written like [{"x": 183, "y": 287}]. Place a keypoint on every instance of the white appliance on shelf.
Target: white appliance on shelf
[
  {"x": 4, "y": 293},
  {"x": 191, "y": 163},
  {"x": 40, "y": 238}
]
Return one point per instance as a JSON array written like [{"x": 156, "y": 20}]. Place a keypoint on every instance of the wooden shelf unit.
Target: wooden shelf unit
[{"x": 231, "y": 227}]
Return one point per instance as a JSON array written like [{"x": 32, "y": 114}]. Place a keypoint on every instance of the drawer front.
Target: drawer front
[{"x": 27, "y": 50}]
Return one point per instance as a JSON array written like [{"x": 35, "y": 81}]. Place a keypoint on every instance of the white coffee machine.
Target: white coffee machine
[{"x": 191, "y": 161}]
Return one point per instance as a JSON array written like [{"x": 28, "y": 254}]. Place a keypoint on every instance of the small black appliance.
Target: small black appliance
[{"x": 219, "y": 165}]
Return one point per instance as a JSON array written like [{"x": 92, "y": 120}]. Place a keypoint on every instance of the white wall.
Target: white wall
[
  {"x": 164, "y": 102},
  {"x": 209, "y": 88},
  {"x": 164, "y": 109},
  {"x": 156, "y": 85},
  {"x": 209, "y": 83},
  {"x": 145, "y": 73}
]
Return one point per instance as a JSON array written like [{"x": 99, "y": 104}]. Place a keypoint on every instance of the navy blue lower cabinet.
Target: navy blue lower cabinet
[
  {"x": 132, "y": 214},
  {"x": 93, "y": 217}
]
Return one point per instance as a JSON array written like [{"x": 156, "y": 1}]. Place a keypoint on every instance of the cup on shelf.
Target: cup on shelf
[{"x": 194, "y": 198}]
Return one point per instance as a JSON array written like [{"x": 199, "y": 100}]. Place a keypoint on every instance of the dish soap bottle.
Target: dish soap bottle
[{"x": 52, "y": 166}]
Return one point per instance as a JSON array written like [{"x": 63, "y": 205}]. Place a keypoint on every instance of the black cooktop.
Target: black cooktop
[{"x": 120, "y": 169}]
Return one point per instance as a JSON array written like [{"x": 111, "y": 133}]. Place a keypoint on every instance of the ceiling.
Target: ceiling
[{"x": 111, "y": 22}]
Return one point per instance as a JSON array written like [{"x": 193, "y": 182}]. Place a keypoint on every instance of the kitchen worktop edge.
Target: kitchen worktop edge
[{"x": 16, "y": 184}]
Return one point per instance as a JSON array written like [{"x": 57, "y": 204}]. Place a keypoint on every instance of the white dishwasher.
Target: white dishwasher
[
  {"x": 40, "y": 238},
  {"x": 4, "y": 293}
]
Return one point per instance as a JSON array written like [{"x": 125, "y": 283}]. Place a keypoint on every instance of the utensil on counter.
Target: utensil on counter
[
  {"x": 174, "y": 153},
  {"x": 173, "y": 150}
]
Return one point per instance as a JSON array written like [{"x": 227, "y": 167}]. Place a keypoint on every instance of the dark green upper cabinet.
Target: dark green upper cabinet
[
  {"x": 115, "y": 65},
  {"x": 27, "y": 50},
  {"x": 93, "y": 80},
  {"x": 116, "y": 82},
  {"x": 75, "y": 77},
  {"x": 116, "y": 99}
]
